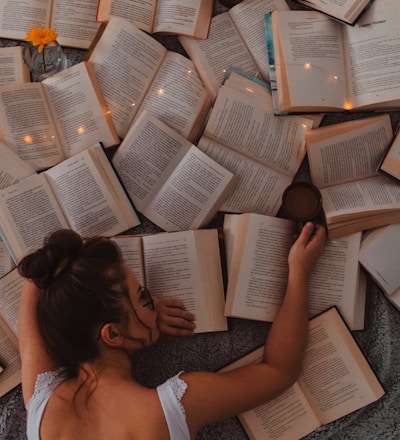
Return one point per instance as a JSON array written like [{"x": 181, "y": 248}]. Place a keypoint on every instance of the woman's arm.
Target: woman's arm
[
  {"x": 214, "y": 396},
  {"x": 34, "y": 356}
]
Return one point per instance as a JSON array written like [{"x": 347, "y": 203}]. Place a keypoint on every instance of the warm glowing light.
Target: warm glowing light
[
  {"x": 28, "y": 139},
  {"x": 189, "y": 72},
  {"x": 161, "y": 92},
  {"x": 249, "y": 89},
  {"x": 348, "y": 106},
  {"x": 335, "y": 77},
  {"x": 224, "y": 70},
  {"x": 133, "y": 104},
  {"x": 304, "y": 125},
  {"x": 307, "y": 65},
  {"x": 81, "y": 130}
]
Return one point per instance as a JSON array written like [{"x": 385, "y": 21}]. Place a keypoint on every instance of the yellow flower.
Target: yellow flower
[{"x": 41, "y": 37}]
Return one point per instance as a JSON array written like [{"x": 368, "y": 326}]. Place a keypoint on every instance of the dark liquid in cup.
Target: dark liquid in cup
[{"x": 301, "y": 202}]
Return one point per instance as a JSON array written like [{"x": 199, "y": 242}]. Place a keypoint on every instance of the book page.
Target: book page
[
  {"x": 380, "y": 254},
  {"x": 259, "y": 188},
  {"x": 192, "y": 194},
  {"x": 336, "y": 377},
  {"x": 248, "y": 17},
  {"x": 223, "y": 48},
  {"x": 186, "y": 17},
  {"x": 250, "y": 127},
  {"x": 347, "y": 151},
  {"x": 335, "y": 280},
  {"x": 147, "y": 156},
  {"x": 358, "y": 198},
  {"x": 132, "y": 252},
  {"x": 12, "y": 67},
  {"x": 10, "y": 293},
  {"x": 308, "y": 49},
  {"x": 30, "y": 212},
  {"x": 186, "y": 266},
  {"x": 125, "y": 60},
  {"x": 257, "y": 248},
  {"x": 372, "y": 45},
  {"x": 28, "y": 127},
  {"x": 390, "y": 161},
  {"x": 12, "y": 168},
  {"x": 345, "y": 10},
  {"x": 5, "y": 259},
  {"x": 85, "y": 197},
  {"x": 289, "y": 416},
  {"x": 140, "y": 12},
  {"x": 9, "y": 358},
  {"x": 18, "y": 16},
  {"x": 79, "y": 110},
  {"x": 75, "y": 22},
  {"x": 177, "y": 96}
]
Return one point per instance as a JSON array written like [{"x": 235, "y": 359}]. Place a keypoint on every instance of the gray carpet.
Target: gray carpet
[{"x": 380, "y": 343}]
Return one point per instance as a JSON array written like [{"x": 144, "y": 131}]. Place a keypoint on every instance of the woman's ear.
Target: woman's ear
[{"x": 111, "y": 335}]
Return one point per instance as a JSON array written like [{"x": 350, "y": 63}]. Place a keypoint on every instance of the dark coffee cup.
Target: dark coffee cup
[{"x": 302, "y": 202}]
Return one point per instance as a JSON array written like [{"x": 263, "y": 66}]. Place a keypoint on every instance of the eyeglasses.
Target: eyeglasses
[{"x": 145, "y": 297}]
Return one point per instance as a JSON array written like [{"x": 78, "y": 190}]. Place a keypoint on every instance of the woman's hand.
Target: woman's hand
[
  {"x": 173, "y": 319},
  {"x": 307, "y": 248}
]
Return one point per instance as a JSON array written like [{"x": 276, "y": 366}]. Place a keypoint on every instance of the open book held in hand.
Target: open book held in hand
[
  {"x": 336, "y": 379},
  {"x": 257, "y": 248},
  {"x": 343, "y": 161},
  {"x": 184, "y": 265},
  {"x": 308, "y": 51}
]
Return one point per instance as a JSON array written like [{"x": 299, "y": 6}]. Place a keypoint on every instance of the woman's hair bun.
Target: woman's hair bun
[{"x": 43, "y": 265}]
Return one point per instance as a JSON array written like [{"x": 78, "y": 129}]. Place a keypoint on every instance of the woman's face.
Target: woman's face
[{"x": 142, "y": 321}]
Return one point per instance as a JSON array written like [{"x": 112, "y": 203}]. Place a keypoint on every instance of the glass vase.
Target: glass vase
[{"x": 46, "y": 63}]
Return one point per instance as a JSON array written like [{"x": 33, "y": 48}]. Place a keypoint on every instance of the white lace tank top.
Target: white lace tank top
[{"x": 170, "y": 394}]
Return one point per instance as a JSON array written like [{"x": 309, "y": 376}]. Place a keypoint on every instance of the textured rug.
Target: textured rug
[{"x": 380, "y": 342}]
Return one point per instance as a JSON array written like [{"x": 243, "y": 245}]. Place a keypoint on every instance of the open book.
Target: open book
[
  {"x": 169, "y": 180},
  {"x": 184, "y": 265},
  {"x": 183, "y": 17},
  {"x": 390, "y": 161},
  {"x": 10, "y": 292},
  {"x": 263, "y": 150},
  {"x": 6, "y": 262},
  {"x": 343, "y": 160},
  {"x": 13, "y": 69},
  {"x": 75, "y": 23},
  {"x": 81, "y": 193},
  {"x": 336, "y": 379},
  {"x": 12, "y": 167},
  {"x": 313, "y": 52},
  {"x": 44, "y": 122},
  {"x": 236, "y": 39},
  {"x": 257, "y": 248},
  {"x": 347, "y": 11},
  {"x": 380, "y": 256},
  {"x": 136, "y": 72}
]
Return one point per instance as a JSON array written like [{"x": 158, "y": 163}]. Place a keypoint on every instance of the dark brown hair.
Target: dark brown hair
[{"x": 83, "y": 286}]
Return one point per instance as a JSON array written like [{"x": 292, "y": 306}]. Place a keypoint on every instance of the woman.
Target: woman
[{"x": 83, "y": 314}]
